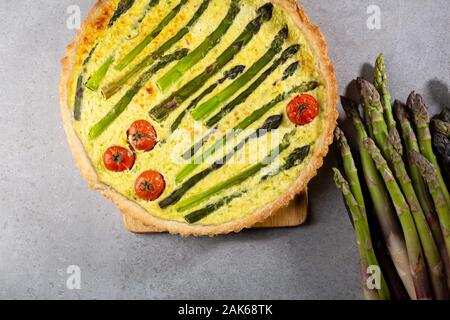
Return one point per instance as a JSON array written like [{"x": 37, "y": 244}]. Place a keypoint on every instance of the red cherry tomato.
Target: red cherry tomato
[
  {"x": 142, "y": 136},
  {"x": 118, "y": 159},
  {"x": 149, "y": 185},
  {"x": 303, "y": 109}
]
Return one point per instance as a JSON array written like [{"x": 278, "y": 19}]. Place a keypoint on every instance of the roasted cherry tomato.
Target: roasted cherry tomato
[
  {"x": 118, "y": 159},
  {"x": 150, "y": 185},
  {"x": 142, "y": 136},
  {"x": 303, "y": 109}
]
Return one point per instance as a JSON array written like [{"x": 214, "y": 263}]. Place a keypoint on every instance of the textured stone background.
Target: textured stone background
[{"x": 49, "y": 219}]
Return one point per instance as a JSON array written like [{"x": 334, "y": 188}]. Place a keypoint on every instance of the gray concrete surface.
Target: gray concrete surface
[{"x": 49, "y": 219}]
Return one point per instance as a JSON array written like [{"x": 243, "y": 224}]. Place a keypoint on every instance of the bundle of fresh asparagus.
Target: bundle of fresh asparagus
[{"x": 397, "y": 192}]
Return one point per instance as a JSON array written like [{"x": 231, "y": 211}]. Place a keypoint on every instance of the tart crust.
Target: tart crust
[{"x": 317, "y": 44}]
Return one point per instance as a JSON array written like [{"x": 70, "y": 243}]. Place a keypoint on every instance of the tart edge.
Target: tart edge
[{"x": 318, "y": 45}]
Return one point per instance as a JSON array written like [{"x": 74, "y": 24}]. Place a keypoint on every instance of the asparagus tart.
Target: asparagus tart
[{"x": 198, "y": 117}]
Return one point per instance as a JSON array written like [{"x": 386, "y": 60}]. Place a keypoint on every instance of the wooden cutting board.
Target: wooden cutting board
[{"x": 293, "y": 215}]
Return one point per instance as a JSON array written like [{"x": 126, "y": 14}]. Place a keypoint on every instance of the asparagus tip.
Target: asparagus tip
[
  {"x": 338, "y": 134},
  {"x": 349, "y": 105},
  {"x": 340, "y": 181},
  {"x": 417, "y": 106},
  {"x": 400, "y": 110}
]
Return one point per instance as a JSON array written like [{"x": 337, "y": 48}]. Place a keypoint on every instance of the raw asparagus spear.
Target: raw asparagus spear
[
  {"x": 429, "y": 246},
  {"x": 421, "y": 120},
  {"x": 201, "y": 214},
  {"x": 244, "y": 124},
  {"x": 79, "y": 93},
  {"x": 415, "y": 254},
  {"x": 96, "y": 78},
  {"x": 113, "y": 87},
  {"x": 196, "y": 199},
  {"x": 441, "y": 127},
  {"x": 123, "y": 103},
  {"x": 228, "y": 75},
  {"x": 293, "y": 160},
  {"x": 442, "y": 146},
  {"x": 270, "y": 124},
  {"x": 362, "y": 232},
  {"x": 122, "y": 8},
  {"x": 410, "y": 142},
  {"x": 177, "y": 72},
  {"x": 372, "y": 103},
  {"x": 428, "y": 171},
  {"x": 162, "y": 111},
  {"x": 289, "y": 52},
  {"x": 213, "y": 103},
  {"x": 382, "y": 85},
  {"x": 383, "y": 209},
  {"x": 125, "y": 61},
  {"x": 351, "y": 172}
]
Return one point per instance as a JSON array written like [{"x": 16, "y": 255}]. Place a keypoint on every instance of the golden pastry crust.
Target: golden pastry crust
[{"x": 325, "y": 68}]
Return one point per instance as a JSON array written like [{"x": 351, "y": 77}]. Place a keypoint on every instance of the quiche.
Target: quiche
[{"x": 198, "y": 117}]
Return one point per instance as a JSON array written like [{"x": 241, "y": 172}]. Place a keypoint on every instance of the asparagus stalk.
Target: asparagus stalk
[
  {"x": 442, "y": 147},
  {"x": 244, "y": 124},
  {"x": 123, "y": 103},
  {"x": 228, "y": 75},
  {"x": 439, "y": 142},
  {"x": 441, "y": 127},
  {"x": 177, "y": 72},
  {"x": 381, "y": 83},
  {"x": 270, "y": 124},
  {"x": 428, "y": 171},
  {"x": 212, "y": 104},
  {"x": 429, "y": 246},
  {"x": 196, "y": 199},
  {"x": 202, "y": 213},
  {"x": 97, "y": 77},
  {"x": 113, "y": 87},
  {"x": 411, "y": 144},
  {"x": 351, "y": 172},
  {"x": 363, "y": 239},
  {"x": 415, "y": 254},
  {"x": 421, "y": 120},
  {"x": 289, "y": 52},
  {"x": 79, "y": 91},
  {"x": 125, "y": 61},
  {"x": 294, "y": 159},
  {"x": 381, "y": 202},
  {"x": 122, "y": 8},
  {"x": 162, "y": 111},
  {"x": 372, "y": 103}
]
